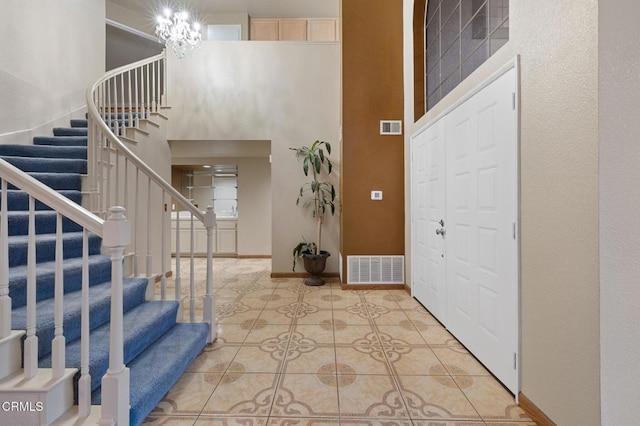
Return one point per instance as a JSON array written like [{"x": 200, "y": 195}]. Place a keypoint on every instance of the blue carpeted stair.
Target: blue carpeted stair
[{"x": 157, "y": 349}]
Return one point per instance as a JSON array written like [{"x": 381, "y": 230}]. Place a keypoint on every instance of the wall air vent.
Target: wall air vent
[
  {"x": 390, "y": 127},
  {"x": 375, "y": 269}
]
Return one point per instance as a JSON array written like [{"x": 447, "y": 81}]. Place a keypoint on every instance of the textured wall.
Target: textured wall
[
  {"x": 287, "y": 93},
  {"x": 51, "y": 52},
  {"x": 372, "y": 91},
  {"x": 619, "y": 109},
  {"x": 557, "y": 44}
]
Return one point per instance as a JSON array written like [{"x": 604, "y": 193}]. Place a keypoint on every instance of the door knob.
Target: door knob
[{"x": 440, "y": 231}]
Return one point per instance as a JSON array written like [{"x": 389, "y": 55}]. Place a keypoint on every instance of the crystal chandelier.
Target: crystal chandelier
[{"x": 175, "y": 30}]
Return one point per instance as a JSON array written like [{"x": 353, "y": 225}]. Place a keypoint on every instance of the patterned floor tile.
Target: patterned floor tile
[
  {"x": 189, "y": 395},
  {"x": 289, "y": 354},
  {"x": 458, "y": 361},
  {"x": 309, "y": 359},
  {"x": 369, "y": 396},
  {"x": 435, "y": 398},
  {"x": 243, "y": 394},
  {"x": 418, "y": 361},
  {"x": 306, "y": 395},
  {"x": 206, "y": 420},
  {"x": 490, "y": 399},
  {"x": 363, "y": 360},
  {"x": 154, "y": 419},
  {"x": 215, "y": 358}
]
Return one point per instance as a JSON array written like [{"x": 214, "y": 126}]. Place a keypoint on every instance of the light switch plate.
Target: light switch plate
[{"x": 376, "y": 195}]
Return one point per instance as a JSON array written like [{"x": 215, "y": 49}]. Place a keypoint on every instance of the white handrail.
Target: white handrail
[{"x": 51, "y": 198}]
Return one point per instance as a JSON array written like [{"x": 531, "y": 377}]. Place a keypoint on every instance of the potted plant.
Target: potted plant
[{"x": 318, "y": 195}]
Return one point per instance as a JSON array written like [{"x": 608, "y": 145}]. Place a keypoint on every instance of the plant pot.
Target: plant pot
[{"x": 315, "y": 264}]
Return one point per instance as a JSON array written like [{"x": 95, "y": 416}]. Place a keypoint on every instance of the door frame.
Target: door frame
[{"x": 514, "y": 63}]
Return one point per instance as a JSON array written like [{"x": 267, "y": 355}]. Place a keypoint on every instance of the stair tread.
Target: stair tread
[
  {"x": 99, "y": 300},
  {"x": 37, "y": 164},
  {"x": 143, "y": 325},
  {"x": 99, "y": 271},
  {"x": 44, "y": 151},
  {"x": 152, "y": 374}
]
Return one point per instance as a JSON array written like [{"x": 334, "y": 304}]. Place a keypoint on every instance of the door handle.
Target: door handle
[{"x": 440, "y": 231}]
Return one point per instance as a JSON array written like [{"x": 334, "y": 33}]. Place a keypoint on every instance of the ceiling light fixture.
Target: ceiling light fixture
[{"x": 174, "y": 30}]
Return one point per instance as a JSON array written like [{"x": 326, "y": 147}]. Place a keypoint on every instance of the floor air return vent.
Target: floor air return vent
[{"x": 376, "y": 269}]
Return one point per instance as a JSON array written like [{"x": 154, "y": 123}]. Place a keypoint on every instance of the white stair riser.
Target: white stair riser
[{"x": 10, "y": 354}]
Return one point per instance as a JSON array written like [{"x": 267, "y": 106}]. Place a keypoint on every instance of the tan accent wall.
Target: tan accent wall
[
  {"x": 372, "y": 91},
  {"x": 558, "y": 46}
]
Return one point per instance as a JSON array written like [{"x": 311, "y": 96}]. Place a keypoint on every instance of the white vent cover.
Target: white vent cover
[
  {"x": 375, "y": 269},
  {"x": 390, "y": 127}
]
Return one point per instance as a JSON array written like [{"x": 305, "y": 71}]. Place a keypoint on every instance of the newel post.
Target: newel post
[
  {"x": 115, "y": 384},
  {"x": 209, "y": 304}
]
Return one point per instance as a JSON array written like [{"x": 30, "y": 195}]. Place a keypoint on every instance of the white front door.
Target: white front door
[
  {"x": 482, "y": 250},
  {"x": 429, "y": 201},
  {"x": 464, "y": 172}
]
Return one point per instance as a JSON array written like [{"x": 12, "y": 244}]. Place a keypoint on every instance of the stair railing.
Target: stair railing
[
  {"x": 121, "y": 99},
  {"x": 113, "y": 232}
]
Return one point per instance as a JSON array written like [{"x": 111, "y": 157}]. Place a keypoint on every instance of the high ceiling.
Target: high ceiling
[{"x": 255, "y": 8}]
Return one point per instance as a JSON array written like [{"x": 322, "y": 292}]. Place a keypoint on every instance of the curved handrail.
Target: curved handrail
[{"x": 95, "y": 115}]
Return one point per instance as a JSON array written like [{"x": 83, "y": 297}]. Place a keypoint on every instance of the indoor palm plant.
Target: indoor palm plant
[{"x": 319, "y": 196}]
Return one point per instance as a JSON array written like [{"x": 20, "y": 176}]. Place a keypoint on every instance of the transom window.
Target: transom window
[{"x": 459, "y": 36}]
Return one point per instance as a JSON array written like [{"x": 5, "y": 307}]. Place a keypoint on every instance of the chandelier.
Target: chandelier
[{"x": 174, "y": 30}]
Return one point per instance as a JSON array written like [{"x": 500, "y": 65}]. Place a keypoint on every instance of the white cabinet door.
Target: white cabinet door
[
  {"x": 429, "y": 212},
  {"x": 480, "y": 283}
]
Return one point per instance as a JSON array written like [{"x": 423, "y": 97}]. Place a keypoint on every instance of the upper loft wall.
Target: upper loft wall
[
  {"x": 51, "y": 52},
  {"x": 285, "y": 92},
  {"x": 125, "y": 48}
]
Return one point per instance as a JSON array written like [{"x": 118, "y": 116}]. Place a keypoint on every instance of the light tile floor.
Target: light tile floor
[{"x": 289, "y": 354}]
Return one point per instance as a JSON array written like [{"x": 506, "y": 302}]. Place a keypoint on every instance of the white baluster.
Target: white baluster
[
  {"x": 136, "y": 197},
  {"x": 163, "y": 260},
  {"x": 192, "y": 273},
  {"x": 124, "y": 124},
  {"x": 136, "y": 72},
  {"x": 84, "y": 384},
  {"x": 131, "y": 120},
  {"x": 31, "y": 342},
  {"x": 154, "y": 101},
  {"x": 178, "y": 279},
  {"x": 5, "y": 300},
  {"x": 115, "y": 384},
  {"x": 58, "y": 348},
  {"x": 208, "y": 303},
  {"x": 164, "y": 78},
  {"x": 149, "y": 210},
  {"x": 148, "y": 91},
  {"x": 117, "y": 180}
]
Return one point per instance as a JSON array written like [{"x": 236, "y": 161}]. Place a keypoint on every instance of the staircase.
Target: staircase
[{"x": 157, "y": 348}]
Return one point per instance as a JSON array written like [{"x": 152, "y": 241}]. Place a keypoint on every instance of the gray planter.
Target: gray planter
[{"x": 315, "y": 264}]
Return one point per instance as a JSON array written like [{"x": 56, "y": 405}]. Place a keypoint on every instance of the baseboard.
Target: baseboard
[
  {"x": 254, "y": 256},
  {"x": 302, "y": 275},
  {"x": 532, "y": 410}
]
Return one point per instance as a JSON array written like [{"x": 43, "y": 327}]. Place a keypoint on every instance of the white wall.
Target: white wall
[
  {"x": 288, "y": 93},
  {"x": 51, "y": 51},
  {"x": 557, "y": 44},
  {"x": 619, "y": 109},
  {"x": 254, "y": 206}
]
